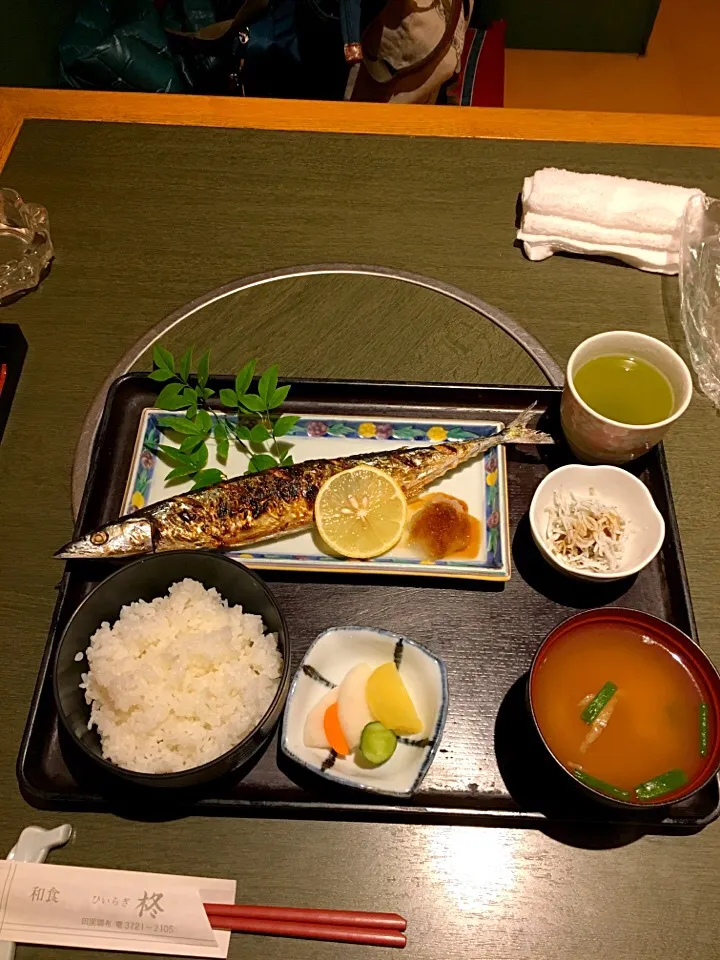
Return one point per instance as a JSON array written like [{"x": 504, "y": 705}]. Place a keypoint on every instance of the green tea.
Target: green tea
[{"x": 625, "y": 389}]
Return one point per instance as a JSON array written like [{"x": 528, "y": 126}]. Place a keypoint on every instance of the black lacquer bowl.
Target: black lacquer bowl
[{"x": 146, "y": 579}]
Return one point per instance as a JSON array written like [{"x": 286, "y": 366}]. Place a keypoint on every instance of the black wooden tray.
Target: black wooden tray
[{"x": 490, "y": 767}]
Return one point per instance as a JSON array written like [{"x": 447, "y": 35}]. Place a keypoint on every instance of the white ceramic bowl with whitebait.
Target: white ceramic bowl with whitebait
[{"x": 636, "y": 535}]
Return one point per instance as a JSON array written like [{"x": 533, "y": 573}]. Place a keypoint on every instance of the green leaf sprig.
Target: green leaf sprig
[
  {"x": 251, "y": 424},
  {"x": 268, "y": 427}
]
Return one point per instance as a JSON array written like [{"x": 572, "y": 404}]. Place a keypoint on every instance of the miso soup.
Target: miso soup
[{"x": 621, "y": 711}]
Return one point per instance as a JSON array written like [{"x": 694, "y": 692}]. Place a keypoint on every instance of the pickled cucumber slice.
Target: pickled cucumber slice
[{"x": 377, "y": 743}]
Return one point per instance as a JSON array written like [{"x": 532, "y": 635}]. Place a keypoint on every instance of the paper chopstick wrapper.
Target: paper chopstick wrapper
[{"x": 111, "y": 909}]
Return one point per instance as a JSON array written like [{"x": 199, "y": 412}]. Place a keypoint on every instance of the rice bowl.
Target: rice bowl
[
  {"x": 148, "y": 579},
  {"x": 176, "y": 682}
]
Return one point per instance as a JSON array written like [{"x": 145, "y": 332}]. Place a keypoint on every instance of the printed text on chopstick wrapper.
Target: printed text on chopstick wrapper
[{"x": 112, "y": 909}]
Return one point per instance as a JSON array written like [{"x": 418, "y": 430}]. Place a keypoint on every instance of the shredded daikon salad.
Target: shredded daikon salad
[{"x": 586, "y": 533}]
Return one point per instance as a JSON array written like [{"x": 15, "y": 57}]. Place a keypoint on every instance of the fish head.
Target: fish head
[{"x": 127, "y": 537}]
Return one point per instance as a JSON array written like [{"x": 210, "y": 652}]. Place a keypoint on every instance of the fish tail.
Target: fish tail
[
  {"x": 518, "y": 431},
  {"x": 523, "y": 418}
]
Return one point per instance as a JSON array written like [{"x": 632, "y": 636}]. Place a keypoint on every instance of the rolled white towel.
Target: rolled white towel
[
  {"x": 654, "y": 261},
  {"x": 606, "y": 201},
  {"x": 589, "y": 213},
  {"x": 542, "y": 225}
]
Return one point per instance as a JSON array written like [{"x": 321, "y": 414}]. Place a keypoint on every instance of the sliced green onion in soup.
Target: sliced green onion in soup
[
  {"x": 601, "y": 785},
  {"x": 659, "y": 786},
  {"x": 703, "y": 729},
  {"x": 600, "y": 700}
]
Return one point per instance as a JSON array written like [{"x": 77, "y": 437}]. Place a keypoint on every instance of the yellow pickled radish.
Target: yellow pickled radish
[{"x": 390, "y": 702}]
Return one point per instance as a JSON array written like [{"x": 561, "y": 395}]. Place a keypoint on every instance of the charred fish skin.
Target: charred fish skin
[
  {"x": 254, "y": 507},
  {"x": 244, "y": 510},
  {"x": 279, "y": 500},
  {"x": 261, "y": 506}
]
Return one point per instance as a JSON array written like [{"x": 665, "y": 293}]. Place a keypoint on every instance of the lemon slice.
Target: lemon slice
[{"x": 360, "y": 513}]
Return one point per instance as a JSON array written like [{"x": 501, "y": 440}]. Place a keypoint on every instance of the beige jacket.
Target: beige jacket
[{"x": 410, "y": 50}]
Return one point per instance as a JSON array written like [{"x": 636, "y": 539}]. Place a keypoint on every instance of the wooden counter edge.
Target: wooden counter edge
[{"x": 19, "y": 104}]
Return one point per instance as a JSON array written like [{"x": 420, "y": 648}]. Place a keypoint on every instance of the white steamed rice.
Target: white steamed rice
[{"x": 179, "y": 681}]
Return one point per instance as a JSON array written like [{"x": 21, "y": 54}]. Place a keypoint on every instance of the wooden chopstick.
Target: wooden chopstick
[
  {"x": 368, "y": 936},
  {"x": 342, "y": 918}
]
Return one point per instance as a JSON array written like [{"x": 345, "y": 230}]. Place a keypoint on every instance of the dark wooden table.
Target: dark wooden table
[{"x": 145, "y": 218}]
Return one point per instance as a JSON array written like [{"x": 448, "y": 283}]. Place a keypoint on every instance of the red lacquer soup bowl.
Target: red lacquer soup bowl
[{"x": 664, "y": 682}]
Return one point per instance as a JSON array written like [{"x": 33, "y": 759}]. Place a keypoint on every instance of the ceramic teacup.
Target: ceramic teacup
[{"x": 597, "y": 439}]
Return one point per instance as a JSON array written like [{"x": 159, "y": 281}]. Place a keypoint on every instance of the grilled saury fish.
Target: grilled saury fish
[{"x": 261, "y": 506}]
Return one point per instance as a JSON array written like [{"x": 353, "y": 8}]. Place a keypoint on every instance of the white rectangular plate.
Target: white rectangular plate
[{"x": 481, "y": 483}]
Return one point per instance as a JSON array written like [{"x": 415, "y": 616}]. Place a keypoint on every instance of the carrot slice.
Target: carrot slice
[{"x": 333, "y": 731}]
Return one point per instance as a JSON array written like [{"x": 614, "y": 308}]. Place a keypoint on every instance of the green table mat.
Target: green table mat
[{"x": 145, "y": 219}]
